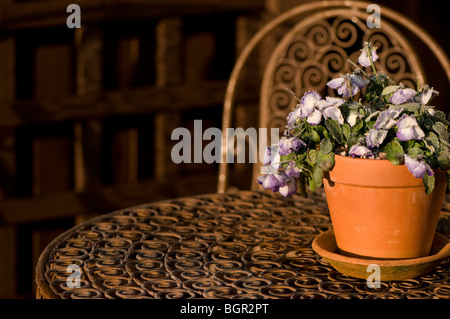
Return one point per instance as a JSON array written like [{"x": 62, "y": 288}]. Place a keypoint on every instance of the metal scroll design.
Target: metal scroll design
[
  {"x": 319, "y": 52},
  {"x": 243, "y": 245}
]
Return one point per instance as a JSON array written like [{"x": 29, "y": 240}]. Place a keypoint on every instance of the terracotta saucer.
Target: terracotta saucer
[{"x": 390, "y": 269}]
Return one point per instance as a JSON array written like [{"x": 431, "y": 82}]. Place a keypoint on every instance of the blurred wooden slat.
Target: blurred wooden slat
[
  {"x": 53, "y": 12},
  {"x": 168, "y": 74},
  {"x": 8, "y": 265},
  {"x": 7, "y": 70},
  {"x": 71, "y": 204},
  {"x": 52, "y": 165},
  {"x": 53, "y": 71},
  {"x": 135, "y": 101}
]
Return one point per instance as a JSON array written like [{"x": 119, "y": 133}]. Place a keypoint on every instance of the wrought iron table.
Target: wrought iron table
[{"x": 240, "y": 245}]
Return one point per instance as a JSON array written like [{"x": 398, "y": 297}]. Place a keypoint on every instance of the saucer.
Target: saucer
[{"x": 390, "y": 269}]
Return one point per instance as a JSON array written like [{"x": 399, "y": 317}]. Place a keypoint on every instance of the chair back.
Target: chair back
[{"x": 310, "y": 45}]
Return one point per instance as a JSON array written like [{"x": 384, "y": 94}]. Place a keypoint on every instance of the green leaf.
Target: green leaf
[
  {"x": 325, "y": 162},
  {"x": 410, "y": 107},
  {"x": 394, "y": 152},
  {"x": 428, "y": 182},
  {"x": 432, "y": 141},
  {"x": 358, "y": 126},
  {"x": 440, "y": 116},
  {"x": 326, "y": 146},
  {"x": 311, "y": 184},
  {"x": 390, "y": 89},
  {"x": 346, "y": 130},
  {"x": 314, "y": 136},
  {"x": 311, "y": 158},
  {"x": 443, "y": 157},
  {"x": 414, "y": 152},
  {"x": 441, "y": 129},
  {"x": 317, "y": 176},
  {"x": 335, "y": 130}
]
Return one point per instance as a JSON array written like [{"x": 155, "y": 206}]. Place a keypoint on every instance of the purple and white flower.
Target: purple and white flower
[
  {"x": 313, "y": 108},
  {"x": 347, "y": 85},
  {"x": 403, "y": 96},
  {"x": 375, "y": 138},
  {"x": 360, "y": 150},
  {"x": 292, "y": 170},
  {"x": 353, "y": 117},
  {"x": 427, "y": 94},
  {"x": 386, "y": 120},
  {"x": 417, "y": 167},
  {"x": 273, "y": 180},
  {"x": 289, "y": 187},
  {"x": 272, "y": 156},
  {"x": 364, "y": 59},
  {"x": 289, "y": 145},
  {"x": 409, "y": 129},
  {"x": 278, "y": 182}
]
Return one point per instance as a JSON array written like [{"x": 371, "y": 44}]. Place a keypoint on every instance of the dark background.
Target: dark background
[{"x": 86, "y": 115}]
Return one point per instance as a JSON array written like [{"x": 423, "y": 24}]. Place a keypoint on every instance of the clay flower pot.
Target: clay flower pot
[{"x": 380, "y": 210}]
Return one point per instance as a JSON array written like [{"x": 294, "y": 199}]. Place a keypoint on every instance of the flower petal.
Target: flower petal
[
  {"x": 289, "y": 145},
  {"x": 386, "y": 119},
  {"x": 308, "y": 103},
  {"x": 335, "y": 101},
  {"x": 426, "y": 96},
  {"x": 402, "y": 96},
  {"x": 289, "y": 188},
  {"x": 293, "y": 117},
  {"x": 360, "y": 150},
  {"x": 364, "y": 59},
  {"x": 336, "y": 83},
  {"x": 334, "y": 113},
  {"x": 315, "y": 117},
  {"x": 417, "y": 167},
  {"x": 292, "y": 170},
  {"x": 359, "y": 81},
  {"x": 351, "y": 119},
  {"x": 375, "y": 138},
  {"x": 408, "y": 129}
]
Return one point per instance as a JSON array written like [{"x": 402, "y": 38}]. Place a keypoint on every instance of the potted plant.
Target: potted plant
[{"x": 382, "y": 159}]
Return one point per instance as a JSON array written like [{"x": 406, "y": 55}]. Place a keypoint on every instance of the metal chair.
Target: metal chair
[{"x": 308, "y": 46}]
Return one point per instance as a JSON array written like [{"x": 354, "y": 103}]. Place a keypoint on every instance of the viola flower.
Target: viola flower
[
  {"x": 353, "y": 116},
  {"x": 375, "y": 138},
  {"x": 403, "y": 96},
  {"x": 289, "y": 145},
  {"x": 360, "y": 150},
  {"x": 273, "y": 179},
  {"x": 313, "y": 107},
  {"x": 427, "y": 94},
  {"x": 272, "y": 156},
  {"x": 409, "y": 129},
  {"x": 292, "y": 170},
  {"x": 289, "y": 187},
  {"x": 386, "y": 120},
  {"x": 364, "y": 59},
  {"x": 347, "y": 85},
  {"x": 418, "y": 167}
]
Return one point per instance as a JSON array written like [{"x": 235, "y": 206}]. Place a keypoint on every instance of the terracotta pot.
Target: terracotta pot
[{"x": 380, "y": 210}]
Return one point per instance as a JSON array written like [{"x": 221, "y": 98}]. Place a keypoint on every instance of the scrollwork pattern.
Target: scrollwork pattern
[{"x": 318, "y": 52}]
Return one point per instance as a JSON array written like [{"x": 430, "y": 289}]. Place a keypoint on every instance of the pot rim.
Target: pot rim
[{"x": 368, "y": 172}]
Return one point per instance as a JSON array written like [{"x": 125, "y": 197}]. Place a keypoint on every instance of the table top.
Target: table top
[{"x": 239, "y": 245}]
